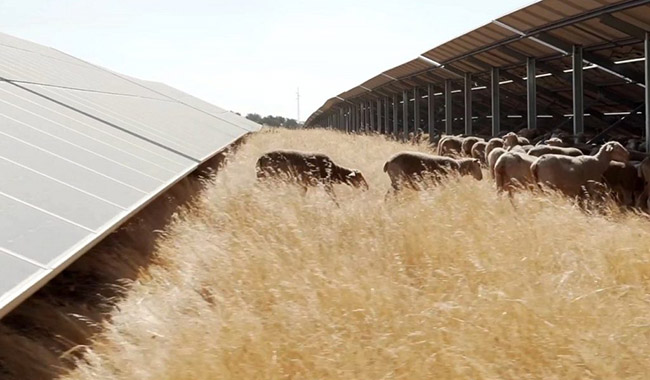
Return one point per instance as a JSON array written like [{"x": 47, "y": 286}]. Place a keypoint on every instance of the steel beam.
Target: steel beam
[
  {"x": 578, "y": 92},
  {"x": 494, "y": 92},
  {"x": 416, "y": 110},
  {"x": 468, "y": 103},
  {"x": 646, "y": 65},
  {"x": 623, "y": 26},
  {"x": 449, "y": 115},
  {"x": 405, "y": 115},
  {"x": 431, "y": 116},
  {"x": 395, "y": 121},
  {"x": 531, "y": 90},
  {"x": 592, "y": 58}
]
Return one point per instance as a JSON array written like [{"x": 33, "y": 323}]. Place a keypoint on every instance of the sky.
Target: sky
[{"x": 249, "y": 56}]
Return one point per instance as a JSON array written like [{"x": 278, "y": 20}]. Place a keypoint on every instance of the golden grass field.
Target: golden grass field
[{"x": 257, "y": 282}]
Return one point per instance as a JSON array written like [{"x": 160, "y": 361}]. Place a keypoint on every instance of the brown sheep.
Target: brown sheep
[
  {"x": 512, "y": 170},
  {"x": 450, "y": 146},
  {"x": 623, "y": 179},
  {"x": 643, "y": 200},
  {"x": 478, "y": 151},
  {"x": 540, "y": 150},
  {"x": 407, "y": 169},
  {"x": 468, "y": 143},
  {"x": 567, "y": 174},
  {"x": 307, "y": 170}
]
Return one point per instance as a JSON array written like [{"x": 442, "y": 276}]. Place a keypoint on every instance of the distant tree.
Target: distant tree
[
  {"x": 254, "y": 117},
  {"x": 291, "y": 123}
]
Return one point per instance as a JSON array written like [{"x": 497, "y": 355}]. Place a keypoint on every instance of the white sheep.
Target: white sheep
[
  {"x": 492, "y": 159},
  {"x": 567, "y": 174},
  {"x": 512, "y": 170},
  {"x": 541, "y": 150}
]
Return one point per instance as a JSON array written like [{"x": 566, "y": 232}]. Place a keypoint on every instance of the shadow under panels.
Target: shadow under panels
[{"x": 72, "y": 171}]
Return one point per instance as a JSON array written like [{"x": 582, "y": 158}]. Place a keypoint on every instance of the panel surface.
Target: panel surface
[{"x": 82, "y": 149}]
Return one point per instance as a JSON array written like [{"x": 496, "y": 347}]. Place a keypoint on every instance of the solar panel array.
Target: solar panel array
[{"x": 82, "y": 149}]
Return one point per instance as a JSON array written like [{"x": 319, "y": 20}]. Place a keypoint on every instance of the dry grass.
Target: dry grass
[{"x": 454, "y": 283}]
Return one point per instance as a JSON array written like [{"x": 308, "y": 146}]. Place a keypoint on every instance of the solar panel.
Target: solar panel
[{"x": 81, "y": 150}]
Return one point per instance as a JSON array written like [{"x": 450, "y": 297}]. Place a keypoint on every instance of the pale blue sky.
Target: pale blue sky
[{"x": 249, "y": 56}]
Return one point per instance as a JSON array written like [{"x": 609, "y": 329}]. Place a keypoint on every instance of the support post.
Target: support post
[
  {"x": 378, "y": 116},
  {"x": 341, "y": 125},
  {"x": 646, "y": 64},
  {"x": 386, "y": 119},
  {"x": 372, "y": 116},
  {"x": 531, "y": 86},
  {"x": 347, "y": 120},
  {"x": 416, "y": 110},
  {"x": 578, "y": 92},
  {"x": 468, "y": 104},
  {"x": 449, "y": 115},
  {"x": 405, "y": 115},
  {"x": 395, "y": 121},
  {"x": 362, "y": 116},
  {"x": 431, "y": 116},
  {"x": 496, "y": 111}
]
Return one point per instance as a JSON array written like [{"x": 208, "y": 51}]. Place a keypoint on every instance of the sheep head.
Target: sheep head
[
  {"x": 615, "y": 151},
  {"x": 510, "y": 140},
  {"x": 356, "y": 179},
  {"x": 471, "y": 166}
]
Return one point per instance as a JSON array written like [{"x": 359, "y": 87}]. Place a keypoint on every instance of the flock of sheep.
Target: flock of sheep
[{"x": 511, "y": 161}]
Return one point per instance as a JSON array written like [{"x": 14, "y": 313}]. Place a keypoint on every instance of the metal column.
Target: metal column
[
  {"x": 416, "y": 110},
  {"x": 347, "y": 120},
  {"x": 431, "y": 116},
  {"x": 578, "y": 92},
  {"x": 371, "y": 115},
  {"x": 531, "y": 87},
  {"x": 646, "y": 44},
  {"x": 405, "y": 115},
  {"x": 496, "y": 111},
  {"x": 449, "y": 115},
  {"x": 341, "y": 122},
  {"x": 386, "y": 119},
  {"x": 379, "y": 116},
  {"x": 362, "y": 116},
  {"x": 395, "y": 121},
  {"x": 468, "y": 103}
]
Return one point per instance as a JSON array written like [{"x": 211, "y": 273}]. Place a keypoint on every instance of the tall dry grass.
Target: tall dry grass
[{"x": 455, "y": 283}]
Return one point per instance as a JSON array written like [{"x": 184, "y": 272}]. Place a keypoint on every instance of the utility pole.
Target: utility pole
[{"x": 298, "y": 100}]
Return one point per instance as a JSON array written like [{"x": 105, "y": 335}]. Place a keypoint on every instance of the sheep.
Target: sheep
[
  {"x": 492, "y": 159},
  {"x": 540, "y": 150},
  {"x": 555, "y": 141},
  {"x": 493, "y": 143},
  {"x": 512, "y": 169},
  {"x": 468, "y": 143},
  {"x": 478, "y": 151},
  {"x": 307, "y": 170},
  {"x": 567, "y": 174},
  {"x": 406, "y": 169},
  {"x": 624, "y": 181},
  {"x": 450, "y": 146},
  {"x": 510, "y": 140}
]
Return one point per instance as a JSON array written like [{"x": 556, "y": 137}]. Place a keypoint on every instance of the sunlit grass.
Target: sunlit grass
[{"x": 258, "y": 282}]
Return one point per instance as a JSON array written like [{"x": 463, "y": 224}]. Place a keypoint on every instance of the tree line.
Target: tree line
[{"x": 273, "y": 121}]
